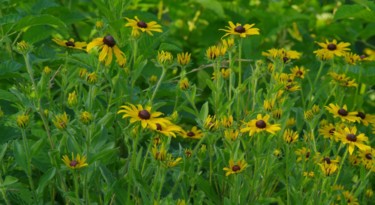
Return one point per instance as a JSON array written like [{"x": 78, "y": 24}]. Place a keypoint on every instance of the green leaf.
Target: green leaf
[
  {"x": 205, "y": 186},
  {"x": 212, "y": 5},
  {"x": 9, "y": 69},
  {"x": 43, "y": 182},
  {"x": 44, "y": 19},
  {"x": 355, "y": 11},
  {"x": 169, "y": 47},
  {"x": 20, "y": 156},
  {"x": 3, "y": 149},
  {"x": 37, "y": 33},
  {"x": 203, "y": 112},
  {"x": 9, "y": 180},
  {"x": 37, "y": 146}
]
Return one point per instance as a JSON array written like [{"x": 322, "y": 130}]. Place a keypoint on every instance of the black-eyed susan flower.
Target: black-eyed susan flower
[
  {"x": 342, "y": 113},
  {"x": 168, "y": 129},
  {"x": 172, "y": 162},
  {"x": 260, "y": 124},
  {"x": 184, "y": 84},
  {"x": 85, "y": 117},
  {"x": 82, "y": 72},
  {"x": 70, "y": 43},
  {"x": 328, "y": 131},
  {"x": 323, "y": 54},
  {"x": 282, "y": 54},
  {"x": 141, "y": 26},
  {"x": 276, "y": 113},
  {"x": 23, "y": 47},
  {"x": 229, "y": 42},
  {"x": 92, "y": 78},
  {"x": 165, "y": 57},
  {"x": 76, "y": 162},
  {"x": 194, "y": 133},
  {"x": 231, "y": 135},
  {"x": 145, "y": 116},
  {"x": 303, "y": 154},
  {"x": 188, "y": 153},
  {"x": 211, "y": 123},
  {"x": 61, "y": 121},
  {"x": 299, "y": 71},
  {"x": 349, "y": 136},
  {"x": 367, "y": 157},
  {"x": 235, "y": 167},
  {"x": 290, "y": 136},
  {"x": 72, "y": 99},
  {"x": 159, "y": 153},
  {"x": 352, "y": 58},
  {"x": 214, "y": 52},
  {"x": 349, "y": 198},
  {"x": 240, "y": 30},
  {"x": 23, "y": 120},
  {"x": 354, "y": 160},
  {"x": 183, "y": 58},
  {"x": 334, "y": 48},
  {"x": 328, "y": 166},
  {"x": 277, "y": 153},
  {"x": 342, "y": 80},
  {"x": 108, "y": 47},
  {"x": 370, "y": 54},
  {"x": 366, "y": 119},
  {"x": 227, "y": 121},
  {"x": 269, "y": 104},
  {"x": 291, "y": 122}
]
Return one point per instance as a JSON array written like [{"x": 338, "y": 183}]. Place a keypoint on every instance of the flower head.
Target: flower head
[
  {"x": 168, "y": 129},
  {"x": 85, "y": 117},
  {"x": 144, "y": 115},
  {"x": 342, "y": 113},
  {"x": 290, "y": 136},
  {"x": 108, "y": 47},
  {"x": 349, "y": 136},
  {"x": 61, "y": 121},
  {"x": 240, "y": 30},
  {"x": 183, "y": 58},
  {"x": 259, "y": 125},
  {"x": 23, "y": 120},
  {"x": 141, "y": 26},
  {"x": 165, "y": 57},
  {"x": 235, "y": 167},
  {"x": 70, "y": 43},
  {"x": 333, "y": 48},
  {"x": 194, "y": 133},
  {"x": 77, "y": 162}
]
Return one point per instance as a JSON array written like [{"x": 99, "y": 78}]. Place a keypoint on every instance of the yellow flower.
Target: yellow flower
[
  {"x": 366, "y": 118},
  {"x": 303, "y": 154},
  {"x": 309, "y": 174},
  {"x": 138, "y": 25},
  {"x": 225, "y": 73},
  {"x": 183, "y": 58},
  {"x": 368, "y": 158},
  {"x": 85, "y": 117},
  {"x": 334, "y": 48},
  {"x": 108, "y": 47},
  {"x": 227, "y": 121},
  {"x": 72, "y": 99},
  {"x": 328, "y": 131},
  {"x": 70, "y": 43},
  {"x": 194, "y": 133},
  {"x": 276, "y": 114},
  {"x": 328, "y": 166},
  {"x": 23, "y": 120},
  {"x": 299, "y": 72},
  {"x": 277, "y": 153},
  {"x": 168, "y": 129},
  {"x": 282, "y": 54},
  {"x": 235, "y": 167},
  {"x": 159, "y": 153},
  {"x": 211, "y": 123},
  {"x": 259, "y": 125},
  {"x": 269, "y": 104},
  {"x": 143, "y": 115},
  {"x": 214, "y": 52},
  {"x": 349, "y": 136},
  {"x": 47, "y": 70},
  {"x": 153, "y": 79},
  {"x": 323, "y": 54},
  {"x": 181, "y": 202},
  {"x": 369, "y": 193},
  {"x": 238, "y": 29},
  {"x": 165, "y": 57},
  {"x": 92, "y": 78},
  {"x": 23, "y": 47},
  {"x": 171, "y": 162},
  {"x": 99, "y": 24},
  {"x": 61, "y": 121},
  {"x": 352, "y": 58},
  {"x": 290, "y": 136},
  {"x": 82, "y": 72},
  {"x": 349, "y": 198},
  {"x": 342, "y": 113},
  {"x": 231, "y": 135},
  {"x": 77, "y": 162},
  {"x": 184, "y": 84},
  {"x": 291, "y": 122},
  {"x": 229, "y": 42}
]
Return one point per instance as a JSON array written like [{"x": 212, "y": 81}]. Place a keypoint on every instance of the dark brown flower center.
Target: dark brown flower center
[
  {"x": 332, "y": 131},
  {"x": 240, "y": 29},
  {"x": 261, "y": 124},
  {"x": 307, "y": 155},
  {"x": 299, "y": 73},
  {"x": 190, "y": 134},
  {"x": 70, "y": 44},
  {"x": 188, "y": 153},
  {"x": 109, "y": 41},
  {"x": 368, "y": 156},
  {"x": 73, "y": 163},
  {"x": 158, "y": 127},
  {"x": 142, "y": 24},
  {"x": 351, "y": 137},
  {"x": 285, "y": 59},
  {"x": 236, "y": 168},
  {"x": 363, "y": 57},
  {"x": 361, "y": 115},
  {"x": 327, "y": 160},
  {"x": 342, "y": 112},
  {"x": 144, "y": 115},
  {"x": 331, "y": 47}
]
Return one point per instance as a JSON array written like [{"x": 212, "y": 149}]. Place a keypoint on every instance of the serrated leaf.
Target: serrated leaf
[
  {"x": 44, "y": 19},
  {"x": 43, "y": 182}
]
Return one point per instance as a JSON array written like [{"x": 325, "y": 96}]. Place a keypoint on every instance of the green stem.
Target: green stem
[
  {"x": 164, "y": 71},
  {"x": 239, "y": 78},
  {"x": 161, "y": 183},
  {"x": 342, "y": 162},
  {"x": 76, "y": 185},
  {"x": 319, "y": 72},
  {"x": 28, "y": 158}
]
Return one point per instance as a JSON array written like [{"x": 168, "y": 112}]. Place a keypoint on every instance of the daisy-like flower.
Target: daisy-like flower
[
  {"x": 194, "y": 133},
  {"x": 171, "y": 162},
  {"x": 368, "y": 158},
  {"x": 160, "y": 153},
  {"x": 141, "y": 26},
  {"x": 70, "y": 43},
  {"x": 323, "y": 54},
  {"x": 299, "y": 72},
  {"x": 241, "y": 30},
  {"x": 165, "y": 57},
  {"x": 366, "y": 118},
  {"x": 61, "y": 121},
  {"x": 85, "y": 117},
  {"x": 291, "y": 122},
  {"x": 328, "y": 166},
  {"x": 231, "y": 135},
  {"x": 334, "y": 48},
  {"x": 269, "y": 104},
  {"x": 183, "y": 58},
  {"x": 214, "y": 52},
  {"x": 235, "y": 167},
  {"x": 259, "y": 125},
  {"x": 303, "y": 154},
  {"x": 108, "y": 47},
  {"x": 184, "y": 84},
  {"x": 143, "y": 115},
  {"x": 328, "y": 131},
  {"x": 290, "y": 136},
  {"x": 352, "y": 58},
  {"x": 77, "y": 162},
  {"x": 282, "y": 54},
  {"x": 227, "y": 121},
  {"x": 211, "y": 123},
  {"x": 169, "y": 129},
  {"x": 23, "y": 120},
  {"x": 343, "y": 80},
  {"x": 342, "y": 113},
  {"x": 349, "y": 198},
  {"x": 349, "y": 136}
]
